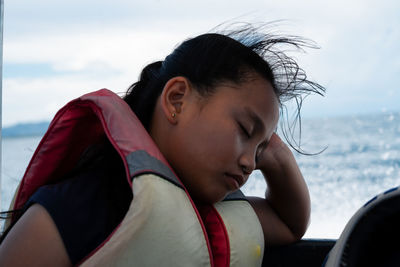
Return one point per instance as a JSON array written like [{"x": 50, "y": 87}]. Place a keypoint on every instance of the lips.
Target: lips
[{"x": 238, "y": 179}]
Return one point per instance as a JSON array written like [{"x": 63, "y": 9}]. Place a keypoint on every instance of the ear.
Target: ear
[{"x": 174, "y": 97}]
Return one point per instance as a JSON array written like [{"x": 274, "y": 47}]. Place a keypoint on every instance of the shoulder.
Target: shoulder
[
  {"x": 85, "y": 208},
  {"x": 34, "y": 235}
]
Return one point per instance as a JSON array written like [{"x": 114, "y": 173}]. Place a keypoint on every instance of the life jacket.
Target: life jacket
[{"x": 162, "y": 225}]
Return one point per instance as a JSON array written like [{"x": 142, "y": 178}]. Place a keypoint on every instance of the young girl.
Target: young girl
[{"x": 160, "y": 185}]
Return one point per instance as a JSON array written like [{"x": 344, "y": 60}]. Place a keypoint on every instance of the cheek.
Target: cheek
[
  {"x": 217, "y": 142},
  {"x": 224, "y": 141}
]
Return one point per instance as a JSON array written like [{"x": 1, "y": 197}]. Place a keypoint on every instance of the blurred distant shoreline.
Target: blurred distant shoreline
[{"x": 25, "y": 129}]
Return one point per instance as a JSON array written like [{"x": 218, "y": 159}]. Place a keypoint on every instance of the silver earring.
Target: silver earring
[{"x": 173, "y": 115}]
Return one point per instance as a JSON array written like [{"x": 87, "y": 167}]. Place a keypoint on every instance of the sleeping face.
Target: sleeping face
[{"x": 212, "y": 142}]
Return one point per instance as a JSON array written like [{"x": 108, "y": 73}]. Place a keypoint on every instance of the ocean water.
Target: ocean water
[{"x": 361, "y": 159}]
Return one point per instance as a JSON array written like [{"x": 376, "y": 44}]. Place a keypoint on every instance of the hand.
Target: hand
[{"x": 275, "y": 156}]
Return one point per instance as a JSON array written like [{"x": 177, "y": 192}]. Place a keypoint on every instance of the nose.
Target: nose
[{"x": 247, "y": 161}]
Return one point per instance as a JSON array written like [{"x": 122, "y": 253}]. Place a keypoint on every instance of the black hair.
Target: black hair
[{"x": 229, "y": 55}]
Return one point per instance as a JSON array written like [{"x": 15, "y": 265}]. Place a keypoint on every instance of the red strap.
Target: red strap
[{"x": 217, "y": 235}]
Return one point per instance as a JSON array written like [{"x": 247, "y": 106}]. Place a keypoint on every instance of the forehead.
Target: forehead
[
  {"x": 260, "y": 99},
  {"x": 255, "y": 96}
]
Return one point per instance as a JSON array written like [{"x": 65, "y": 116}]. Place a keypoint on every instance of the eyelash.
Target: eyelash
[{"x": 243, "y": 129}]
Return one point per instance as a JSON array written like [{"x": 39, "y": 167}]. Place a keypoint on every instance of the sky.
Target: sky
[{"x": 55, "y": 51}]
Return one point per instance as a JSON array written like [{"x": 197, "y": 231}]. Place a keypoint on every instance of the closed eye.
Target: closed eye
[{"x": 244, "y": 130}]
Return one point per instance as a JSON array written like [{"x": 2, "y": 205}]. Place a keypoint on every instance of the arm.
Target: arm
[
  {"x": 34, "y": 241},
  {"x": 284, "y": 213}
]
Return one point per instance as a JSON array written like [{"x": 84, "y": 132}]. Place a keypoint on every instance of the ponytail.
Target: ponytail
[{"x": 142, "y": 95}]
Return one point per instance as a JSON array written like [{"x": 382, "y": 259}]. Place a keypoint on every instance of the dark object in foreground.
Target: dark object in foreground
[
  {"x": 307, "y": 252},
  {"x": 370, "y": 238}
]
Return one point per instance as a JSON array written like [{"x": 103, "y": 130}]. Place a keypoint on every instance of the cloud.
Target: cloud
[
  {"x": 117, "y": 49},
  {"x": 85, "y": 45},
  {"x": 38, "y": 99}
]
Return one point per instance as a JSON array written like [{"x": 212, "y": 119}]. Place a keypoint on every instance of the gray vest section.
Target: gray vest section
[
  {"x": 237, "y": 195},
  {"x": 141, "y": 162}
]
